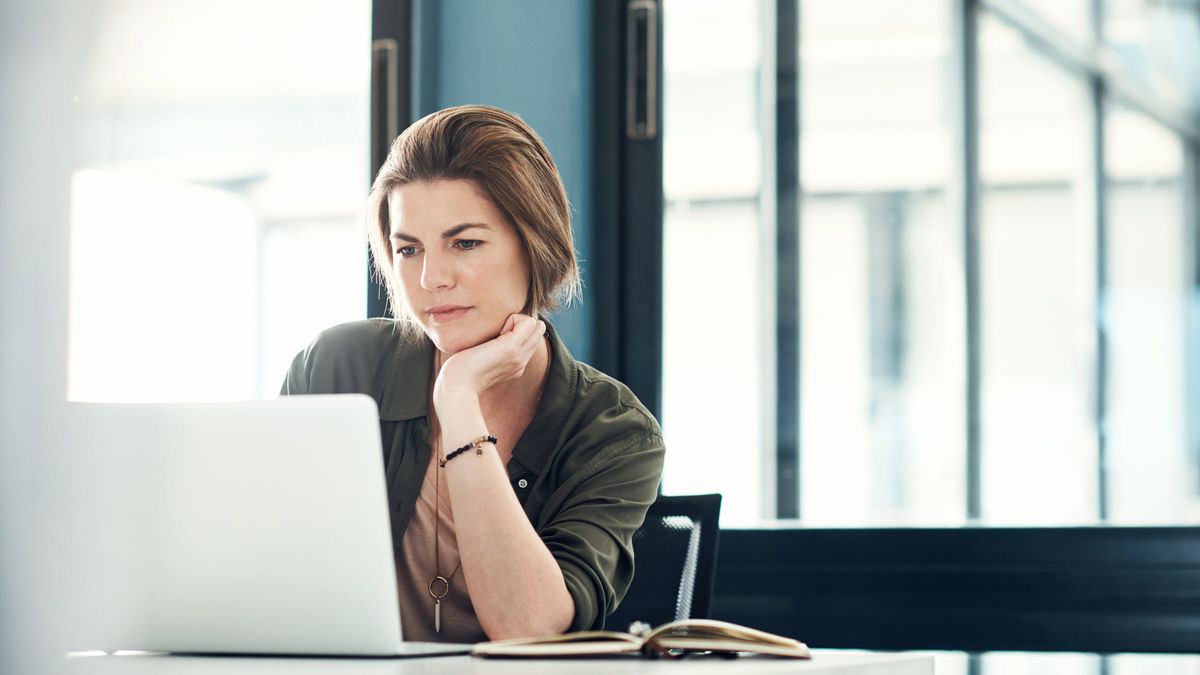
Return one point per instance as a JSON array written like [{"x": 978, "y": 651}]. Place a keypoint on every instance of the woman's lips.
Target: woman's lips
[{"x": 446, "y": 313}]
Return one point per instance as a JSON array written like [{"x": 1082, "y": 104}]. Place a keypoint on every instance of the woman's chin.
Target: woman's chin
[{"x": 454, "y": 341}]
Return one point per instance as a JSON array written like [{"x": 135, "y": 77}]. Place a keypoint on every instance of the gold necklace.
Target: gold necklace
[
  {"x": 439, "y": 586},
  {"x": 438, "y": 582}
]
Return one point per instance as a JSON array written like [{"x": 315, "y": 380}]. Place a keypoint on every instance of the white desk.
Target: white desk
[{"x": 833, "y": 662}]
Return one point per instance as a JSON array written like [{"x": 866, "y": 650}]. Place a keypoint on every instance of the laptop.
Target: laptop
[{"x": 257, "y": 527}]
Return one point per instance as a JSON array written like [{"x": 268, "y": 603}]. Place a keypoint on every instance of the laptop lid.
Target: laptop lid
[{"x": 251, "y": 527}]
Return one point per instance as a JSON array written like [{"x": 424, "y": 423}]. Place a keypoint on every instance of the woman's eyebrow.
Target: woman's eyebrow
[
  {"x": 452, "y": 232},
  {"x": 459, "y": 229}
]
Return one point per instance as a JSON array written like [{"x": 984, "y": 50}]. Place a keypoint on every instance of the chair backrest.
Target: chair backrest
[{"x": 675, "y": 554}]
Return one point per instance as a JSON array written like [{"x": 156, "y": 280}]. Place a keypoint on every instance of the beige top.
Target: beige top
[{"x": 415, "y": 567}]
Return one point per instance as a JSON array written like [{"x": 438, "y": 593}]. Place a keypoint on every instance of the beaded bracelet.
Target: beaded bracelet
[{"x": 477, "y": 444}]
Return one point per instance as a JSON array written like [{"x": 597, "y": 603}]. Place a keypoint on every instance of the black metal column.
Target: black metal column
[
  {"x": 391, "y": 102},
  {"x": 1099, "y": 194},
  {"x": 1191, "y": 219},
  {"x": 787, "y": 264},
  {"x": 626, "y": 285},
  {"x": 966, "y": 25}
]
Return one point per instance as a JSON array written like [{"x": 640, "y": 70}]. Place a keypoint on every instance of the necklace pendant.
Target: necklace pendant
[{"x": 437, "y": 596}]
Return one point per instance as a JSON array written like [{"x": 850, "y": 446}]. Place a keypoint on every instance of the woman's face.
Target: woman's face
[{"x": 460, "y": 265}]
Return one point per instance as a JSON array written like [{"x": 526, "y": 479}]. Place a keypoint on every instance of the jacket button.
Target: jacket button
[{"x": 522, "y": 483}]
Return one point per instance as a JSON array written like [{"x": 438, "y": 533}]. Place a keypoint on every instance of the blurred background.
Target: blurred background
[
  {"x": 872, "y": 263},
  {"x": 1020, "y": 353}
]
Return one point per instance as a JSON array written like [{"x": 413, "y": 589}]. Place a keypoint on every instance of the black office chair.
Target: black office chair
[{"x": 675, "y": 555}]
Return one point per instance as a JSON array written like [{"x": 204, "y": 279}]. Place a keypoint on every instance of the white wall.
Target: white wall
[{"x": 42, "y": 51}]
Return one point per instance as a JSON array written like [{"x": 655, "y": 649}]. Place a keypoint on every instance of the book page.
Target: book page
[
  {"x": 566, "y": 644},
  {"x": 577, "y": 636},
  {"x": 713, "y": 629},
  {"x": 724, "y": 645}
]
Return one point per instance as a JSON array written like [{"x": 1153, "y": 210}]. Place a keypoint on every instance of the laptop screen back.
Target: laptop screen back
[{"x": 250, "y": 527}]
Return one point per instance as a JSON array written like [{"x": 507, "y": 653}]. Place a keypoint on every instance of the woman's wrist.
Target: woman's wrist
[
  {"x": 448, "y": 397},
  {"x": 459, "y": 415}
]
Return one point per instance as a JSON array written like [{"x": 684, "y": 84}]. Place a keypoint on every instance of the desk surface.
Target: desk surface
[{"x": 839, "y": 663}]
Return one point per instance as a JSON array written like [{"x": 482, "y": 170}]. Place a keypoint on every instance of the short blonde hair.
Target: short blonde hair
[{"x": 506, "y": 159}]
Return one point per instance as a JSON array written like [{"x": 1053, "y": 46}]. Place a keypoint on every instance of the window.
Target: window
[
  {"x": 216, "y": 228},
  {"x": 713, "y": 238},
  {"x": 880, "y": 298},
  {"x": 1086, "y": 330},
  {"x": 1038, "y": 287},
  {"x": 1153, "y": 475}
]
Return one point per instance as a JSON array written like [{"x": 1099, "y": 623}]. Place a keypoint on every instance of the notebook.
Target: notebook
[{"x": 256, "y": 527}]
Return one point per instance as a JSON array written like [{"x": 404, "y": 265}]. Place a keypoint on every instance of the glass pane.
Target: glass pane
[
  {"x": 881, "y": 293},
  {"x": 711, "y": 177},
  {"x": 1156, "y": 44},
  {"x": 951, "y": 663},
  {"x": 1071, "y": 18},
  {"x": 216, "y": 228},
  {"x": 1024, "y": 663},
  {"x": 1154, "y": 664},
  {"x": 1037, "y": 288},
  {"x": 1152, "y": 475}
]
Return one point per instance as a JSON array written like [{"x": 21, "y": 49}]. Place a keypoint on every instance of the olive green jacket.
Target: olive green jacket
[{"x": 585, "y": 470}]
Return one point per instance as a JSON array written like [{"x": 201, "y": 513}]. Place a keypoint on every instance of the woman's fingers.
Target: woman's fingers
[
  {"x": 537, "y": 329},
  {"x": 525, "y": 330},
  {"x": 509, "y": 324},
  {"x": 536, "y": 335},
  {"x": 523, "y": 339},
  {"x": 526, "y": 334}
]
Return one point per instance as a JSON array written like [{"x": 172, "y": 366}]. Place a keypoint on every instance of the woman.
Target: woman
[{"x": 516, "y": 475}]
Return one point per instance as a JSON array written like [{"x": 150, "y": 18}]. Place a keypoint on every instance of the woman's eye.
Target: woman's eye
[
  {"x": 467, "y": 244},
  {"x": 406, "y": 251}
]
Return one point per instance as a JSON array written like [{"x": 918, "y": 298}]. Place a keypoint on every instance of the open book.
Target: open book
[{"x": 670, "y": 639}]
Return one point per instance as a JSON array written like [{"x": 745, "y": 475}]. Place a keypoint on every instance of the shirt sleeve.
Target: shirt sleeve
[
  {"x": 591, "y": 534},
  {"x": 353, "y": 357},
  {"x": 295, "y": 382}
]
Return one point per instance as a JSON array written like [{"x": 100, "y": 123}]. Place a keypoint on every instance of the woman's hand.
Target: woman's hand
[{"x": 501, "y": 359}]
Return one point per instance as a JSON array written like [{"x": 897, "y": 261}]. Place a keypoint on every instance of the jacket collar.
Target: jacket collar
[
  {"x": 406, "y": 394},
  {"x": 541, "y": 437}
]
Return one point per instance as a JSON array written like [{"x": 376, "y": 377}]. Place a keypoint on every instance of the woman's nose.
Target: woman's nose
[{"x": 435, "y": 272}]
